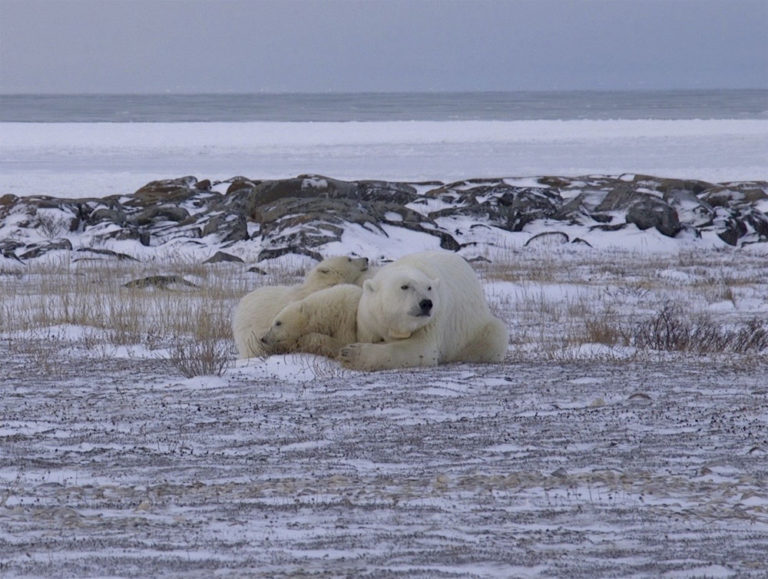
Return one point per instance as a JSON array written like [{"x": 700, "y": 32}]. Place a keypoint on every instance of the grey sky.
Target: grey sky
[{"x": 137, "y": 46}]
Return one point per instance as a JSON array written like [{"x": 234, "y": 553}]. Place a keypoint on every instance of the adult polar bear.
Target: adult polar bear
[
  {"x": 255, "y": 311},
  {"x": 424, "y": 309}
]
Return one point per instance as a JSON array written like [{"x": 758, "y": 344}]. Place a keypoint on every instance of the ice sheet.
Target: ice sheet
[{"x": 88, "y": 159}]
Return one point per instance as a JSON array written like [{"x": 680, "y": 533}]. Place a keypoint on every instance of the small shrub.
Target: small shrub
[
  {"x": 671, "y": 330},
  {"x": 200, "y": 358},
  {"x": 53, "y": 224},
  {"x": 753, "y": 337},
  {"x": 665, "y": 331},
  {"x": 602, "y": 331}
]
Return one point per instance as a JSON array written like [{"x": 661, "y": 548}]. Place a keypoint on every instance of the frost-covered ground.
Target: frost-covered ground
[
  {"x": 116, "y": 467},
  {"x": 580, "y": 456}
]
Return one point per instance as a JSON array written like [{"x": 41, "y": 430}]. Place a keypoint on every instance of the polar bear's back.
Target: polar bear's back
[{"x": 254, "y": 314}]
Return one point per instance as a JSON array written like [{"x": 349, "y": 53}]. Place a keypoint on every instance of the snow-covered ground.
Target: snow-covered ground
[
  {"x": 582, "y": 455},
  {"x": 579, "y": 456},
  {"x": 96, "y": 159}
]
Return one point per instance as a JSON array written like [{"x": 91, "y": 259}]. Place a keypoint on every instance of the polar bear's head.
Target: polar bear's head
[
  {"x": 287, "y": 327},
  {"x": 401, "y": 301},
  {"x": 335, "y": 270}
]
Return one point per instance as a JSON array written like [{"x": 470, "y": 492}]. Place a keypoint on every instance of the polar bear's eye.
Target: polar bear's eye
[
  {"x": 429, "y": 289},
  {"x": 404, "y": 287},
  {"x": 278, "y": 323}
]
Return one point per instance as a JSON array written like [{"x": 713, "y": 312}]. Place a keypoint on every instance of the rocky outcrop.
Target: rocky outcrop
[{"x": 302, "y": 215}]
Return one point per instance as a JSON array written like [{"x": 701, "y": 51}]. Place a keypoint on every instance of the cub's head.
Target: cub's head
[
  {"x": 287, "y": 327},
  {"x": 335, "y": 270},
  {"x": 401, "y": 301}
]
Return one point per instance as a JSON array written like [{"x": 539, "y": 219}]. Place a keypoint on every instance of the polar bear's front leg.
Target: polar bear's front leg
[
  {"x": 319, "y": 344},
  {"x": 388, "y": 356}
]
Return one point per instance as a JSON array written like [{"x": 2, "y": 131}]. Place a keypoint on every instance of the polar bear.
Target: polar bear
[
  {"x": 322, "y": 323},
  {"x": 422, "y": 310},
  {"x": 255, "y": 311}
]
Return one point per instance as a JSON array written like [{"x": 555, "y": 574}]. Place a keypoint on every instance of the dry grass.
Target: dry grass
[
  {"x": 188, "y": 324},
  {"x": 559, "y": 300},
  {"x": 554, "y": 302},
  {"x": 672, "y": 330}
]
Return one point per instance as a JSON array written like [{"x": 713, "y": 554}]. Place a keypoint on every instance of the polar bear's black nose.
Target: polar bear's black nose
[{"x": 425, "y": 306}]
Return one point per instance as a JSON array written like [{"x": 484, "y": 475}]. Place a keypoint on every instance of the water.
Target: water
[{"x": 503, "y": 106}]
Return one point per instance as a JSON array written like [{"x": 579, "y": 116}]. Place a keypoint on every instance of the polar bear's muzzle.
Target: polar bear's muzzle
[{"x": 425, "y": 308}]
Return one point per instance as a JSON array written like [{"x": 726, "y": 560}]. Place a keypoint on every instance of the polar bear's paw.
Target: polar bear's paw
[{"x": 352, "y": 355}]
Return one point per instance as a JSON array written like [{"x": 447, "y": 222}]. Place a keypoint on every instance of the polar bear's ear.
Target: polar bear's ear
[{"x": 369, "y": 286}]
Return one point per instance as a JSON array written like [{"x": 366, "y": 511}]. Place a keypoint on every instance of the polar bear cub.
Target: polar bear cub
[
  {"x": 322, "y": 323},
  {"x": 424, "y": 309},
  {"x": 255, "y": 311}
]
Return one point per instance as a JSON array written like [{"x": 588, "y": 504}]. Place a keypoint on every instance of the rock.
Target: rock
[
  {"x": 160, "y": 281},
  {"x": 547, "y": 239},
  {"x": 165, "y": 191},
  {"x": 162, "y": 213},
  {"x": 38, "y": 249},
  {"x": 619, "y": 198},
  {"x": 737, "y": 223},
  {"x": 733, "y": 230},
  {"x": 112, "y": 215},
  {"x": 86, "y": 251},
  {"x": 221, "y": 256},
  {"x": 503, "y": 205},
  {"x": 8, "y": 248},
  {"x": 306, "y": 214},
  {"x": 229, "y": 228},
  {"x": 7, "y": 202},
  {"x": 758, "y": 222},
  {"x": 526, "y": 205},
  {"x": 669, "y": 186},
  {"x": 652, "y": 212},
  {"x": 736, "y": 195},
  {"x": 276, "y": 252}
]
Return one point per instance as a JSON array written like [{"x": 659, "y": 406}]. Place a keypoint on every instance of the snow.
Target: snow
[
  {"x": 572, "y": 458},
  {"x": 97, "y": 159}
]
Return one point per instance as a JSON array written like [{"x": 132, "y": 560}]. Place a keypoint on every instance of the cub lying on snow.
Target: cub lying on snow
[
  {"x": 254, "y": 314},
  {"x": 322, "y": 323}
]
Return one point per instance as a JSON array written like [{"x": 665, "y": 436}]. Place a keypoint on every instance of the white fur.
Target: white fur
[
  {"x": 256, "y": 310},
  {"x": 394, "y": 331},
  {"x": 322, "y": 323}
]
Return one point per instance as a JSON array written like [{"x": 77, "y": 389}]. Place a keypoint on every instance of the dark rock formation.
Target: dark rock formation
[
  {"x": 302, "y": 215},
  {"x": 653, "y": 212},
  {"x": 160, "y": 282}
]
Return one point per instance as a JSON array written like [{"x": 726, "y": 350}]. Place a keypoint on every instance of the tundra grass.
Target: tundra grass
[{"x": 556, "y": 303}]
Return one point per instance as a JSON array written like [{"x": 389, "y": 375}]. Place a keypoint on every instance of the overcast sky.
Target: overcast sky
[{"x": 155, "y": 46}]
